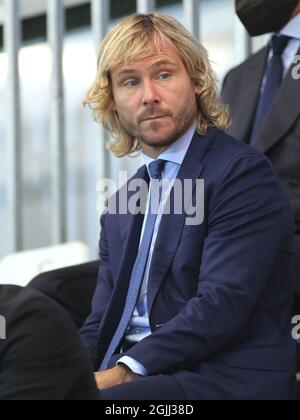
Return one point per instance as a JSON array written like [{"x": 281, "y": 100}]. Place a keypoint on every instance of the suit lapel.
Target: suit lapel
[
  {"x": 172, "y": 225},
  {"x": 245, "y": 107},
  {"x": 128, "y": 221},
  {"x": 130, "y": 227},
  {"x": 284, "y": 112}
]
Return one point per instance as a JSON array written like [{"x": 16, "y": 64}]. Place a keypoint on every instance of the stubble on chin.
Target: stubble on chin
[
  {"x": 157, "y": 141},
  {"x": 182, "y": 122}
]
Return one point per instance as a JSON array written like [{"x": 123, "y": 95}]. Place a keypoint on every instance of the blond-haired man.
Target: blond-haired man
[{"x": 186, "y": 308}]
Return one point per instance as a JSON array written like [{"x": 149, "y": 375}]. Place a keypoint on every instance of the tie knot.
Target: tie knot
[
  {"x": 156, "y": 168},
  {"x": 279, "y": 44}
]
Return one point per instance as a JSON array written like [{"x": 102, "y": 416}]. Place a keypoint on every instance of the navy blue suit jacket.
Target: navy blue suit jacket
[{"x": 220, "y": 293}]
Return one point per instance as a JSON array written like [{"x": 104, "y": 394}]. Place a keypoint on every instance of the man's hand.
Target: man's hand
[{"x": 119, "y": 375}]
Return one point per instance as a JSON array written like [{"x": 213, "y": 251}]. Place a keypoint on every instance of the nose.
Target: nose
[{"x": 150, "y": 94}]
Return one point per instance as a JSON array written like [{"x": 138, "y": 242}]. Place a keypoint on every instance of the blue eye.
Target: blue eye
[
  {"x": 131, "y": 83},
  {"x": 164, "y": 76}
]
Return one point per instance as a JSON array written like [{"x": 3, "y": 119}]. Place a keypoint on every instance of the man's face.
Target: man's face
[{"x": 155, "y": 99}]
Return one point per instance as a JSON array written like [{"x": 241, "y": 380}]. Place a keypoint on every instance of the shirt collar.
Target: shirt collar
[
  {"x": 177, "y": 152},
  {"x": 292, "y": 28}
]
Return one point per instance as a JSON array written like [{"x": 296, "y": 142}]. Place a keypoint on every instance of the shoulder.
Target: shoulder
[
  {"x": 28, "y": 310},
  {"x": 230, "y": 158},
  {"x": 42, "y": 348},
  {"x": 15, "y": 300},
  {"x": 253, "y": 60},
  {"x": 37, "y": 327},
  {"x": 225, "y": 149}
]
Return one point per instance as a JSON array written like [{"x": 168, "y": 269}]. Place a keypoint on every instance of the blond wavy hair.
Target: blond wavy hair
[{"x": 132, "y": 40}]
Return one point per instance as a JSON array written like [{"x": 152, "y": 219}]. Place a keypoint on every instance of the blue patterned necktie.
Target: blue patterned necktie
[
  {"x": 156, "y": 169},
  {"x": 273, "y": 81}
]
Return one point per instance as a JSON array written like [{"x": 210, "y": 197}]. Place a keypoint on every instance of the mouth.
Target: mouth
[{"x": 155, "y": 118}]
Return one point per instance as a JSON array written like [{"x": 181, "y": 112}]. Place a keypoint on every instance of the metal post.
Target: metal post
[
  {"x": 192, "y": 14},
  {"x": 146, "y": 6},
  {"x": 100, "y": 25},
  {"x": 100, "y": 20},
  {"x": 12, "y": 40},
  {"x": 56, "y": 20}
]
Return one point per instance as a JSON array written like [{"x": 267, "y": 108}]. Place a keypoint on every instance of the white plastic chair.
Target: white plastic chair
[{"x": 20, "y": 268}]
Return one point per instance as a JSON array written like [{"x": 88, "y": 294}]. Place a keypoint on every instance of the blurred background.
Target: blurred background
[{"x": 51, "y": 151}]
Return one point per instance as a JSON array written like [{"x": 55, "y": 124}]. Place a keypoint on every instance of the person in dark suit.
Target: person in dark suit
[
  {"x": 194, "y": 293},
  {"x": 263, "y": 94},
  {"x": 41, "y": 355}
]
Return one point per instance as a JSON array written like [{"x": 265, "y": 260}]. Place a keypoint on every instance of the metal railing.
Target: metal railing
[
  {"x": 100, "y": 22},
  {"x": 55, "y": 32},
  {"x": 12, "y": 35}
]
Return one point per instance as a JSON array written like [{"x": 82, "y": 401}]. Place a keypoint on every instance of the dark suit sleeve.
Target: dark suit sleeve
[
  {"x": 43, "y": 357},
  {"x": 249, "y": 223},
  {"x": 89, "y": 332}
]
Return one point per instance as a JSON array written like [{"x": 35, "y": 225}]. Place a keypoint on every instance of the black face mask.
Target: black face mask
[{"x": 264, "y": 16}]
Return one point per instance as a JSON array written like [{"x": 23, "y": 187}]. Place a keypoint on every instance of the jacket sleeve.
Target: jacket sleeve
[
  {"x": 249, "y": 224},
  {"x": 89, "y": 332}
]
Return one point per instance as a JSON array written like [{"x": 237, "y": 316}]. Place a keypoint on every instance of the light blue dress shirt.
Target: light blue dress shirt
[
  {"x": 139, "y": 327},
  {"x": 292, "y": 29}
]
